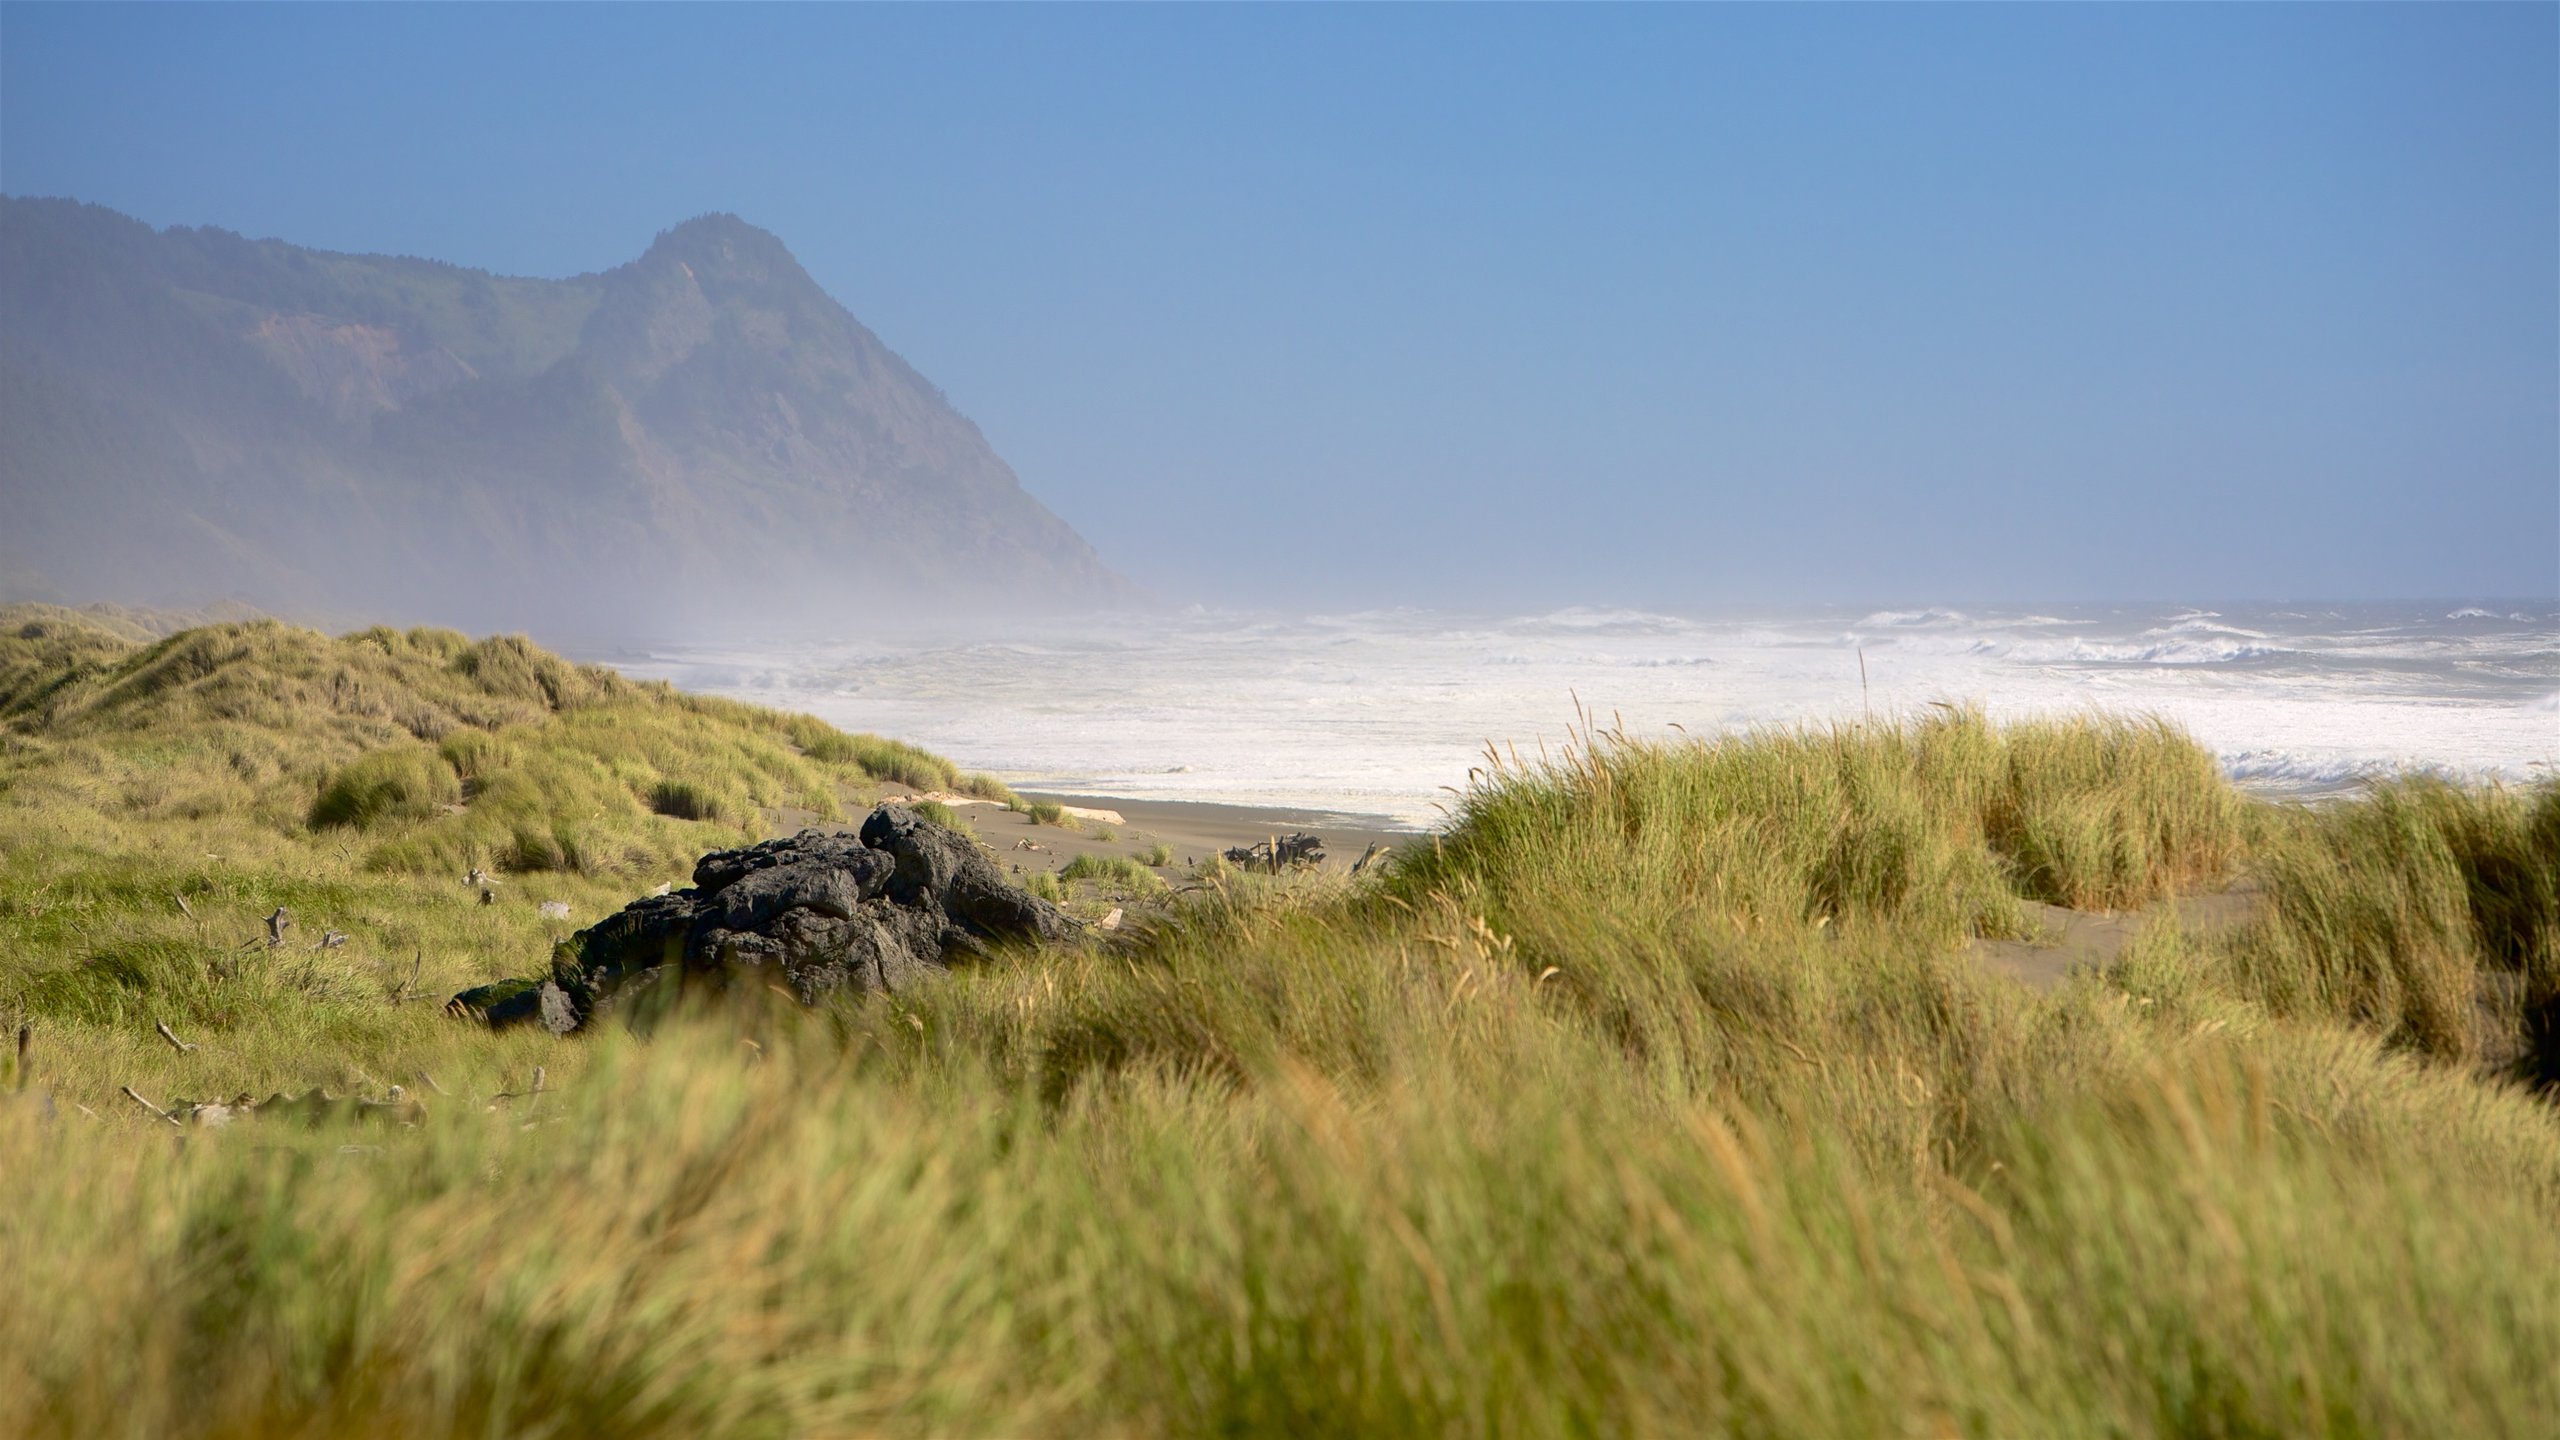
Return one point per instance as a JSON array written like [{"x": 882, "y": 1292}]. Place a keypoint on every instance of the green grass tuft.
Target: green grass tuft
[
  {"x": 396, "y": 783},
  {"x": 890, "y": 760},
  {"x": 691, "y": 800},
  {"x": 1043, "y": 812},
  {"x": 2427, "y": 911},
  {"x": 1939, "y": 827},
  {"x": 1113, "y": 872}
]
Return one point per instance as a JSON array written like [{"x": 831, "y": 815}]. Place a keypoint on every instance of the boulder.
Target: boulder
[{"x": 814, "y": 914}]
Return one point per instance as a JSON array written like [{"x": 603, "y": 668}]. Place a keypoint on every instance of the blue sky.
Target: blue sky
[{"x": 1710, "y": 306}]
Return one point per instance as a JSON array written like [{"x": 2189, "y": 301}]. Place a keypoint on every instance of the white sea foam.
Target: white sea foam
[
  {"x": 2283, "y": 767},
  {"x": 2201, "y": 625},
  {"x": 1383, "y": 712},
  {"x": 2171, "y": 652},
  {"x": 1585, "y": 618},
  {"x": 1911, "y": 619}
]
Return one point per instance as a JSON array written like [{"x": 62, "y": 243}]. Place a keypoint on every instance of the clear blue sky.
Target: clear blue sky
[{"x": 1696, "y": 306}]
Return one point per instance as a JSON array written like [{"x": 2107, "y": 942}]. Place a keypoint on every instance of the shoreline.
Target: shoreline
[
  {"x": 1205, "y": 827},
  {"x": 1193, "y": 829}
]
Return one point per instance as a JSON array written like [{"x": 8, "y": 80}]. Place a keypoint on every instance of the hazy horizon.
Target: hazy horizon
[{"x": 1710, "y": 310}]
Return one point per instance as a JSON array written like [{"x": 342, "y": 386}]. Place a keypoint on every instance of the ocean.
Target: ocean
[{"x": 1383, "y": 712}]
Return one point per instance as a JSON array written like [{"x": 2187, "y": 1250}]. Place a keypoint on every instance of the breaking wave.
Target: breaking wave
[
  {"x": 1374, "y": 712},
  {"x": 1912, "y": 619}
]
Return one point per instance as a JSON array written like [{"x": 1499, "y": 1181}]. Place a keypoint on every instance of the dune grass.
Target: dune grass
[
  {"x": 160, "y": 796},
  {"x": 937, "y": 812},
  {"x": 879, "y": 758},
  {"x": 694, "y": 800},
  {"x": 1939, "y": 827},
  {"x": 1659, "y": 1095},
  {"x": 2429, "y": 912},
  {"x": 1120, "y": 874},
  {"x": 395, "y": 783},
  {"x": 1508, "y": 1227},
  {"x": 1043, "y": 812}
]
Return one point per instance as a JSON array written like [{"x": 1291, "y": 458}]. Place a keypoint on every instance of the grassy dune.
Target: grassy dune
[
  {"x": 1660, "y": 1095},
  {"x": 158, "y": 798}
]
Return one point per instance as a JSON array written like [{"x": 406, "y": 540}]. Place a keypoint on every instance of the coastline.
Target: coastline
[
  {"x": 1193, "y": 829},
  {"x": 1201, "y": 828}
]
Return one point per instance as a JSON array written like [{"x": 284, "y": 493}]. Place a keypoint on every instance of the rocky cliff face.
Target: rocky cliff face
[{"x": 702, "y": 436}]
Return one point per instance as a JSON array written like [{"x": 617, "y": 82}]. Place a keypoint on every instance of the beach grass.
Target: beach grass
[
  {"x": 159, "y": 798},
  {"x": 936, "y": 811},
  {"x": 1119, "y": 874},
  {"x": 1660, "y": 1093},
  {"x": 1047, "y": 812},
  {"x": 2427, "y": 911}
]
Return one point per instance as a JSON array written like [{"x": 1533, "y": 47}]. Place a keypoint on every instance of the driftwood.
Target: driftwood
[
  {"x": 311, "y": 1107},
  {"x": 1368, "y": 857},
  {"x": 154, "y": 1109},
  {"x": 183, "y": 907},
  {"x": 1279, "y": 852},
  {"x": 181, "y": 1046},
  {"x": 541, "y": 1080},
  {"x": 26, "y": 1038},
  {"x": 408, "y": 988},
  {"x": 277, "y": 924}
]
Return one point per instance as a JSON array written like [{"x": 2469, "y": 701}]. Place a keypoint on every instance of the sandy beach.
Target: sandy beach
[{"x": 1108, "y": 825}]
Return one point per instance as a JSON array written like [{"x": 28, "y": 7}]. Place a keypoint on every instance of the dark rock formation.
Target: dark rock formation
[{"x": 815, "y": 913}]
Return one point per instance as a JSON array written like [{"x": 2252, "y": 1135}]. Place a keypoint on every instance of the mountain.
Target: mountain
[{"x": 701, "y": 437}]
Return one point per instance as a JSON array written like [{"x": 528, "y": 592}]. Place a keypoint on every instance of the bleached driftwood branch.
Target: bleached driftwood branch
[{"x": 154, "y": 1109}]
